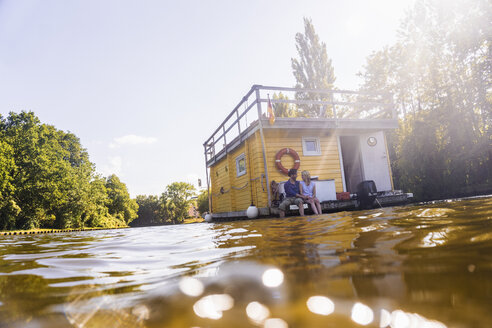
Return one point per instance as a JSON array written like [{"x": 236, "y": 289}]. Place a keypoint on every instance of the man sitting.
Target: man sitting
[{"x": 293, "y": 194}]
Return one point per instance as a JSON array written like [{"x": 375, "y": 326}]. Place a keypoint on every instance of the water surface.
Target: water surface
[{"x": 412, "y": 266}]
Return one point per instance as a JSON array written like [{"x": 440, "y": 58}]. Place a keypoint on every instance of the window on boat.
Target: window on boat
[
  {"x": 241, "y": 165},
  {"x": 311, "y": 146}
]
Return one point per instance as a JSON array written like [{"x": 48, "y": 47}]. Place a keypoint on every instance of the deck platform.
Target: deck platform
[{"x": 327, "y": 207}]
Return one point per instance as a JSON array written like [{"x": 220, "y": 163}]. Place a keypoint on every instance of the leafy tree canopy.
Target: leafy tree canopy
[
  {"x": 202, "y": 202},
  {"x": 176, "y": 200},
  {"x": 440, "y": 73},
  {"x": 120, "y": 204},
  {"x": 312, "y": 70},
  {"x": 47, "y": 180}
]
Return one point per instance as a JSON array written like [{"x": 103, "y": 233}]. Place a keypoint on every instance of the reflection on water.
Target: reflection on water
[{"x": 426, "y": 265}]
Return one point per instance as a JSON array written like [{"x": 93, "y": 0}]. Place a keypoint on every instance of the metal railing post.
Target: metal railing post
[
  {"x": 238, "y": 123},
  {"x": 225, "y": 140},
  {"x": 258, "y": 105},
  {"x": 208, "y": 182}
]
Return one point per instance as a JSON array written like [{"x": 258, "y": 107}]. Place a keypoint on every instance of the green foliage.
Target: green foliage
[
  {"x": 120, "y": 205},
  {"x": 284, "y": 109},
  {"x": 312, "y": 70},
  {"x": 202, "y": 202},
  {"x": 175, "y": 201},
  {"x": 8, "y": 207},
  {"x": 440, "y": 72},
  {"x": 47, "y": 180},
  {"x": 149, "y": 211}
]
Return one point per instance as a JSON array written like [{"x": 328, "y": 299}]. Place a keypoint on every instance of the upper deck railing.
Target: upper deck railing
[{"x": 329, "y": 106}]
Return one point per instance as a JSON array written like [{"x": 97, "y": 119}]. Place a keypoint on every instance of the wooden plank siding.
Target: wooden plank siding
[
  {"x": 237, "y": 190},
  {"x": 325, "y": 166},
  {"x": 251, "y": 187}
]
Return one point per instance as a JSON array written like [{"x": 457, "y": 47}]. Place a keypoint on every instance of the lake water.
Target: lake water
[{"x": 424, "y": 265}]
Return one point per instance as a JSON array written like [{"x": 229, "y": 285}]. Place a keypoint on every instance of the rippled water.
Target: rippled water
[{"x": 413, "y": 266}]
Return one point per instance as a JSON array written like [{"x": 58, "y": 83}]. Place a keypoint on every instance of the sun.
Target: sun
[{"x": 354, "y": 26}]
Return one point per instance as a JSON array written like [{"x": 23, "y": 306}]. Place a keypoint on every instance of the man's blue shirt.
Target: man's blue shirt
[{"x": 291, "y": 189}]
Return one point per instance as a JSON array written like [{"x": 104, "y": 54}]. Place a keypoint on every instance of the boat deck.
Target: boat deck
[{"x": 384, "y": 200}]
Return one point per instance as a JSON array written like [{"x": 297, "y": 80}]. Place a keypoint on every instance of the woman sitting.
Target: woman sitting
[{"x": 308, "y": 188}]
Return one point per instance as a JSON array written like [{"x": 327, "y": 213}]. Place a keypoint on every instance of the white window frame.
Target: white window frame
[
  {"x": 306, "y": 152},
  {"x": 238, "y": 159}
]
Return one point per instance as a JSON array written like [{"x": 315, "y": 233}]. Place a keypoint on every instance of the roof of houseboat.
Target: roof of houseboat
[{"x": 328, "y": 109}]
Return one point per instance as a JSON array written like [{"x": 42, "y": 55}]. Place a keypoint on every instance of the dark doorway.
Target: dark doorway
[{"x": 352, "y": 165}]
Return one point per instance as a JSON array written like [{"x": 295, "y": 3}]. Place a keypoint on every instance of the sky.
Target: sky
[{"x": 144, "y": 83}]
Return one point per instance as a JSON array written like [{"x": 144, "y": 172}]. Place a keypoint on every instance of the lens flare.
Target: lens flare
[
  {"x": 362, "y": 314},
  {"x": 402, "y": 319},
  {"x": 141, "y": 312},
  {"x": 320, "y": 305},
  {"x": 273, "y": 278},
  {"x": 385, "y": 320},
  {"x": 257, "y": 312},
  {"x": 275, "y": 323},
  {"x": 212, "y": 306},
  {"x": 191, "y": 286}
]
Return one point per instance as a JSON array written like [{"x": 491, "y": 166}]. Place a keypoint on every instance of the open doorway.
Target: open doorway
[{"x": 352, "y": 162}]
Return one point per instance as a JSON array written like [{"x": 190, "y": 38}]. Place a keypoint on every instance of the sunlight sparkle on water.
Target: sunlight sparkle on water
[
  {"x": 362, "y": 314},
  {"x": 385, "y": 318},
  {"x": 212, "y": 306},
  {"x": 191, "y": 286},
  {"x": 320, "y": 305},
  {"x": 401, "y": 319},
  {"x": 275, "y": 323},
  {"x": 257, "y": 312},
  {"x": 141, "y": 312},
  {"x": 273, "y": 278}
]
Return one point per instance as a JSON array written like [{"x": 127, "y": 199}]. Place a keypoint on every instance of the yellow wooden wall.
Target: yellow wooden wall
[
  {"x": 237, "y": 190},
  {"x": 325, "y": 166}
]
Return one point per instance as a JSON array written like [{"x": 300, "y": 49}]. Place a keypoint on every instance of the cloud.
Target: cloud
[
  {"x": 131, "y": 139},
  {"x": 113, "y": 167}
]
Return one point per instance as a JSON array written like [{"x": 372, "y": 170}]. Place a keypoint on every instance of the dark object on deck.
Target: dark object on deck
[
  {"x": 366, "y": 194},
  {"x": 343, "y": 195}
]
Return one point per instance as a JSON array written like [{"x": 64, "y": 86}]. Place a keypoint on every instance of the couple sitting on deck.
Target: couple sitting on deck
[{"x": 298, "y": 193}]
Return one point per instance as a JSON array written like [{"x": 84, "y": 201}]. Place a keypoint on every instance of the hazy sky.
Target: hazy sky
[{"x": 144, "y": 83}]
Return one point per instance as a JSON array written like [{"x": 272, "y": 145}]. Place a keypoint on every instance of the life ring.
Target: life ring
[{"x": 291, "y": 152}]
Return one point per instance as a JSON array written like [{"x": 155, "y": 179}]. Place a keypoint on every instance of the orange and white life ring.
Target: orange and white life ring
[{"x": 291, "y": 152}]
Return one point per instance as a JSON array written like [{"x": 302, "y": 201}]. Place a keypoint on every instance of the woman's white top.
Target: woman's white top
[{"x": 307, "y": 190}]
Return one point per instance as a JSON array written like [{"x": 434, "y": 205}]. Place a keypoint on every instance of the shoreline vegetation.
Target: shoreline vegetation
[
  {"x": 48, "y": 182},
  {"x": 45, "y": 231}
]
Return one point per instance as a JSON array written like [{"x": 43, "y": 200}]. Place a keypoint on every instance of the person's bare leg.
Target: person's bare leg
[
  {"x": 313, "y": 206},
  {"x": 301, "y": 209},
  {"x": 281, "y": 213},
  {"x": 318, "y": 205}
]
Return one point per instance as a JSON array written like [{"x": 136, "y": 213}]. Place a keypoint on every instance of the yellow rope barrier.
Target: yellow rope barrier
[{"x": 35, "y": 232}]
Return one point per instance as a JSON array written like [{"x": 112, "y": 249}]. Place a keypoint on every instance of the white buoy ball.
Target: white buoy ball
[
  {"x": 208, "y": 217},
  {"x": 252, "y": 212}
]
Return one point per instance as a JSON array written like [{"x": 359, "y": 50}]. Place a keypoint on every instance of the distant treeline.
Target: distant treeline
[
  {"x": 440, "y": 73},
  {"x": 47, "y": 180},
  {"x": 174, "y": 205}
]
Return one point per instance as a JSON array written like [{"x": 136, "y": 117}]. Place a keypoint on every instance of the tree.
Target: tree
[
  {"x": 176, "y": 200},
  {"x": 9, "y": 209},
  {"x": 120, "y": 205},
  {"x": 149, "y": 212},
  {"x": 52, "y": 173},
  {"x": 47, "y": 180},
  {"x": 96, "y": 212},
  {"x": 202, "y": 202},
  {"x": 312, "y": 70},
  {"x": 283, "y": 109},
  {"x": 440, "y": 72}
]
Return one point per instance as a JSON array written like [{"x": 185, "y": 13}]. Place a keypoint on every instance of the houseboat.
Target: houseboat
[{"x": 338, "y": 136}]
